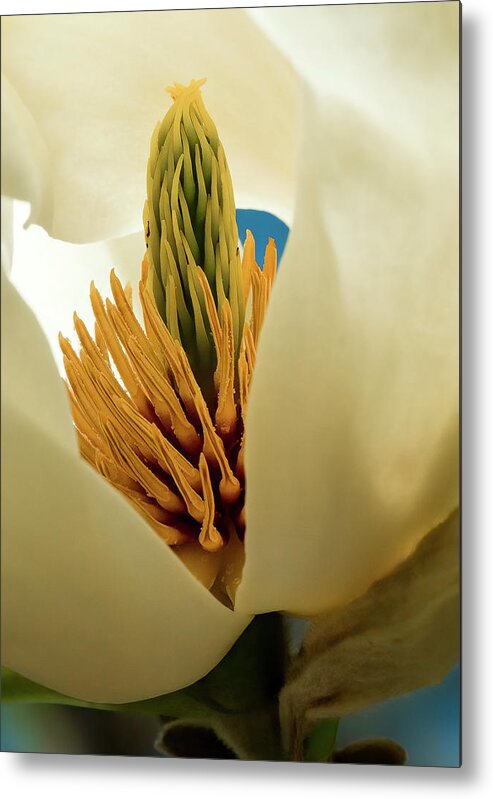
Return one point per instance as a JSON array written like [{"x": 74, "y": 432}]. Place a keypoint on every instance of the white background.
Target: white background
[{"x": 77, "y": 777}]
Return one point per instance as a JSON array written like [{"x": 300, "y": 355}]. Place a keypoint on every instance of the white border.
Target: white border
[
  {"x": 66, "y": 6},
  {"x": 78, "y": 777}
]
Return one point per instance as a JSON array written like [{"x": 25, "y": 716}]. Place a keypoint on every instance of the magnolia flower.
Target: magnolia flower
[{"x": 342, "y": 120}]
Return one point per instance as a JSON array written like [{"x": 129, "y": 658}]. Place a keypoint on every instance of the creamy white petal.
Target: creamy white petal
[
  {"x": 95, "y": 85},
  {"x": 25, "y": 159},
  {"x": 30, "y": 380},
  {"x": 94, "y": 604},
  {"x": 352, "y": 427},
  {"x": 390, "y": 61},
  {"x": 54, "y": 276},
  {"x": 7, "y": 221}
]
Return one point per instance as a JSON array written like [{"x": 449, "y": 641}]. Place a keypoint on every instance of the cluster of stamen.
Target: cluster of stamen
[{"x": 143, "y": 423}]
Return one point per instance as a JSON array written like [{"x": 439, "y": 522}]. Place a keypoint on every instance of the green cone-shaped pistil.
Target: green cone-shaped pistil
[{"x": 190, "y": 222}]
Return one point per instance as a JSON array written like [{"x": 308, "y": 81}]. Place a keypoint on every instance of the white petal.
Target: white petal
[
  {"x": 7, "y": 216},
  {"x": 352, "y": 427},
  {"x": 54, "y": 277},
  {"x": 390, "y": 61},
  {"x": 95, "y": 84},
  {"x": 25, "y": 159},
  {"x": 94, "y": 604}
]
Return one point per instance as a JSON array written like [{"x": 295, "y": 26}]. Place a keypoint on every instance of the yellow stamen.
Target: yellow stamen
[
  {"x": 270, "y": 262},
  {"x": 229, "y": 486},
  {"x": 209, "y": 536},
  {"x": 165, "y": 345},
  {"x": 226, "y": 415},
  {"x": 248, "y": 262}
]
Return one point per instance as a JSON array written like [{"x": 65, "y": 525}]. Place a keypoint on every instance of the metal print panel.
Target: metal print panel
[{"x": 230, "y": 265}]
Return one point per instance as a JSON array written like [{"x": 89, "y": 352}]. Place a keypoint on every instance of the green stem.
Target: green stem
[{"x": 320, "y": 743}]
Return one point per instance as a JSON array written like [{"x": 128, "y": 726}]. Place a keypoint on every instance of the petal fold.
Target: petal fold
[
  {"x": 54, "y": 276},
  {"x": 25, "y": 158},
  {"x": 95, "y": 86},
  {"x": 352, "y": 429}
]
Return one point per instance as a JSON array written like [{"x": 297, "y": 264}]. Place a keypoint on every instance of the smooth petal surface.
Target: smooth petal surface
[
  {"x": 7, "y": 222},
  {"x": 352, "y": 429},
  {"x": 25, "y": 159},
  {"x": 95, "y": 86},
  {"x": 54, "y": 276},
  {"x": 94, "y": 604}
]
